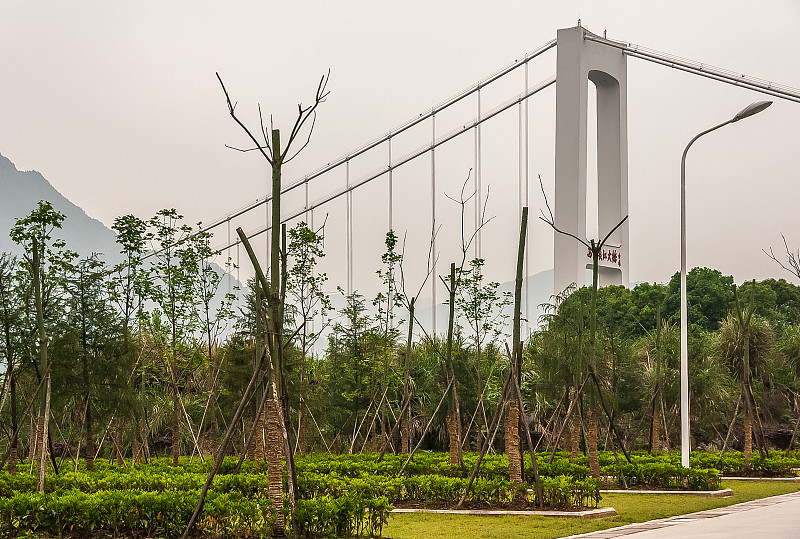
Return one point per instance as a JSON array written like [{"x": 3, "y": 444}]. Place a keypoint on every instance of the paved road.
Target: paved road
[{"x": 777, "y": 517}]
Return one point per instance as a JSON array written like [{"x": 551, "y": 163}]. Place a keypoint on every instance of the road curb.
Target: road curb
[
  {"x": 723, "y": 493},
  {"x": 777, "y": 479},
  {"x": 600, "y": 512}
]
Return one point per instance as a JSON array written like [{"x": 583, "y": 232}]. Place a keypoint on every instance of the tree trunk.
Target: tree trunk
[
  {"x": 258, "y": 439},
  {"x": 32, "y": 440},
  {"x": 666, "y": 425},
  {"x": 374, "y": 431},
  {"x": 89, "y": 446},
  {"x": 12, "y": 464},
  {"x": 513, "y": 443},
  {"x": 383, "y": 441},
  {"x": 12, "y": 461},
  {"x": 656, "y": 444},
  {"x": 135, "y": 447},
  {"x": 43, "y": 424},
  {"x": 176, "y": 427},
  {"x": 302, "y": 430},
  {"x": 214, "y": 418},
  {"x": 118, "y": 439},
  {"x": 576, "y": 438},
  {"x": 39, "y": 434},
  {"x": 567, "y": 443},
  {"x": 748, "y": 438},
  {"x": 594, "y": 460},
  {"x": 275, "y": 465},
  {"x": 404, "y": 436},
  {"x": 452, "y": 432}
]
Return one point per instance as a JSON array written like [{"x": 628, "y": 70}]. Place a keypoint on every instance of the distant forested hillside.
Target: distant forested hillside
[{"x": 23, "y": 189}]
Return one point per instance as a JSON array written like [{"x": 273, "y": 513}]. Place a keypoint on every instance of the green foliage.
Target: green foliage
[
  {"x": 127, "y": 282},
  {"x": 732, "y": 464},
  {"x": 480, "y": 304},
  {"x": 709, "y": 295},
  {"x": 661, "y": 474},
  {"x": 39, "y": 224},
  {"x": 567, "y": 493},
  {"x": 304, "y": 285},
  {"x": 162, "y": 514}
]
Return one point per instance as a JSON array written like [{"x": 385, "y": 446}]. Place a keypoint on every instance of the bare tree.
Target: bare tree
[
  {"x": 267, "y": 142},
  {"x": 595, "y": 247}
]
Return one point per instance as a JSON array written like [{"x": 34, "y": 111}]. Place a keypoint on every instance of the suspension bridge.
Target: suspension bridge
[{"x": 404, "y": 180}]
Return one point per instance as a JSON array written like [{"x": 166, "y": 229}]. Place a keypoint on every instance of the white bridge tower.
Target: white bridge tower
[{"x": 579, "y": 62}]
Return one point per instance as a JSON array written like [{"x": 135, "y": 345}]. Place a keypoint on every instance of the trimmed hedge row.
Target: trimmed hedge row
[
  {"x": 664, "y": 475},
  {"x": 251, "y": 485},
  {"x": 121, "y": 512},
  {"x": 339, "y": 496},
  {"x": 166, "y": 514},
  {"x": 732, "y": 463}
]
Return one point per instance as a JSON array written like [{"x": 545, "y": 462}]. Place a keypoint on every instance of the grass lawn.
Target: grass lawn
[{"x": 630, "y": 508}]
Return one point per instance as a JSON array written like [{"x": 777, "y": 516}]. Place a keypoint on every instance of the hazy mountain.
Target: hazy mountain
[{"x": 22, "y": 190}]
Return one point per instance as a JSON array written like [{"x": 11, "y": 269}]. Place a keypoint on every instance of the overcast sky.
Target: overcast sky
[{"x": 117, "y": 104}]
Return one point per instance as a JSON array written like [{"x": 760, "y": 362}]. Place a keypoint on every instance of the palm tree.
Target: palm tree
[
  {"x": 789, "y": 347},
  {"x": 745, "y": 340},
  {"x": 655, "y": 351},
  {"x": 559, "y": 361}
]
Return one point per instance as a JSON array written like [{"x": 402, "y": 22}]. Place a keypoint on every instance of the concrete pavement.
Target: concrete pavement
[{"x": 777, "y": 517}]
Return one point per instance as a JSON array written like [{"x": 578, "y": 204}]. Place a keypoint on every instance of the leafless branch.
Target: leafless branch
[
  {"x": 264, "y": 129},
  {"x": 552, "y": 222},
  {"x": 565, "y": 233},
  {"x": 482, "y": 223},
  {"x": 600, "y": 245},
  {"x": 232, "y": 112},
  {"x": 257, "y": 148},
  {"x": 303, "y": 114},
  {"x": 433, "y": 257},
  {"x": 466, "y": 242},
  {"x": 792, "y": 259},
  {"x": 308, "y": 139}
]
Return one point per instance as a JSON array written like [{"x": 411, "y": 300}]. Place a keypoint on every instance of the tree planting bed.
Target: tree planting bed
[{"x": 340, "y": 495}]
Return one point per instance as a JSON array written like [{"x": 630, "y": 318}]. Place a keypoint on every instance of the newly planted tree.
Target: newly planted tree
[
  {"x": 170, "y": 285},
  {"x": 308, "y": 302},
  {"x": 12, "y": 327},
  {"x": 96, "y": 340},
  {"x": 482, "y": 306},
  {"x": 46, "y": 261},
  {"x": 595, "y": 247},
  {"x": 127, "y": 288},
  {"x": 386, "y": 302},
  {"x": 267, "y": 143},
  {"x": 451, "y": 284}
]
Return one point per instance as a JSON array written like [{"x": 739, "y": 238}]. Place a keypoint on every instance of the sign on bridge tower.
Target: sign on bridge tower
[{"x": 579, "y": 62}]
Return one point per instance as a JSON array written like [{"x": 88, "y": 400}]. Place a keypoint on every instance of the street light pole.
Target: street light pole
[{"x": 753, "y": 108}]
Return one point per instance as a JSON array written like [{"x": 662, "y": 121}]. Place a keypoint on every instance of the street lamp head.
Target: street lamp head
[{"x": 752, "y": 108}]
